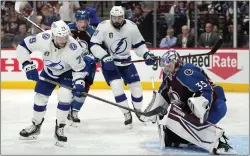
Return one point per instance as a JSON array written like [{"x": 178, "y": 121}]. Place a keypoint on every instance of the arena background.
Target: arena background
[{"x": 162, "y": 25}]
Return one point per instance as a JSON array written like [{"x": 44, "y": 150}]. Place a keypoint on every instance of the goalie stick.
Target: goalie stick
[
  {"x": 155, "y": 111},
  {"x": 213, "y": 51}
]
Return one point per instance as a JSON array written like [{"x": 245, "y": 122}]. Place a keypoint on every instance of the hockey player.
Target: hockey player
[
  {"x": 82, "y": 32},
  {"x": 119, "y": 36},
  {"x": 63, "y": 63},
  {"x": 194, "y": 105}
]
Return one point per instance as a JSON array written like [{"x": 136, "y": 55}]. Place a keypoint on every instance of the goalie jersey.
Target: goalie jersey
[
  {"x": 118, "y": 42},
  {"x": 189, "y": 81},
  {"x": 56, "y": 61}
]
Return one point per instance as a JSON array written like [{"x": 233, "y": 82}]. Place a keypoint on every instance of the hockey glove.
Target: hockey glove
[
  {"x": 31, "y": 71},
  {"x": 108, "y": 63},
  {"x": 150, "y": 58},
  {"x": 79, "y": 88}
]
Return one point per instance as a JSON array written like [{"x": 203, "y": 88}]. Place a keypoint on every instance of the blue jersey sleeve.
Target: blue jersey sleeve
[
  {"x": 163, "y": 84},
  {"x": 193, "y": 78},
  {"x": 90, "y": 30}
]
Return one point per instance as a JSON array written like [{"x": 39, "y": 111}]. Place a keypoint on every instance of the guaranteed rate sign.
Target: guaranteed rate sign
[{"x": 222, "y": 64}]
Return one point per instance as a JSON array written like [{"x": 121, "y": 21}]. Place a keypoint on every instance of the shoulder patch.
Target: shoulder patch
[
  {"x": 188, "y": 72},
  {"x": 72, "y": 46},
  {"x": 46, "y": 36}
]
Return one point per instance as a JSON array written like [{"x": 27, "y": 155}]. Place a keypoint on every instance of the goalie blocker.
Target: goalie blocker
[{"x": 186, "y": 128}]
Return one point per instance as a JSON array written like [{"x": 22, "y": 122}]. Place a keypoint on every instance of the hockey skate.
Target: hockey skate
[
  {"x": 73, "y": 118},
  {"x": 128, "y": 120},
  {"x": 59, "y": 135},
  {"x": 223, "y": 147},
  {"x": 31, "y": 132}
]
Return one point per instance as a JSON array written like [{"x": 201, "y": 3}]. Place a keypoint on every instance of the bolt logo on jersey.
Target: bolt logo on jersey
[
  {"x": 119, "y": 46},
  {"x": 73, "y": 46},
  {"x": 55, "y": 65}
]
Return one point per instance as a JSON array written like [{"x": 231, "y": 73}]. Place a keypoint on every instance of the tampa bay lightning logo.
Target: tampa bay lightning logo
[
  {"x": 72, "y": 46},
  {"x": 46, "y": 36},
  {"x": 55, "y": 65},
  {"x": 119, "y": 46}
]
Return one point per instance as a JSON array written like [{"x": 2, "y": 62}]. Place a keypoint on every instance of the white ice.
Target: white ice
[{"x": 101, "y": 131}]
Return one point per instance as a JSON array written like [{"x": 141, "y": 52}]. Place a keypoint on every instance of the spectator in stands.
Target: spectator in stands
[
  {"x": 138, "y": 16},
  {"x": 22, "y": 34},
  {"x": 244, "y": 9},
  {"x": 215, "y": 29},
  {"x": 127, "y": 6},
  {"x": 228, "y": 38},
  {"x": 6, "y": 40},
  {"x": 11, "y": 20},
  {"x": 67, "y": 10},
  {"x": 185, "y": 40},
  {"x": 163, "y": 7},
  {"x": 34, "y": 29},
  {"x": 168, "y": 41},
  {"x": 49, "y": 16},
  {"x": 146, "y": 28},
  {"x": 208, "y": 38}
]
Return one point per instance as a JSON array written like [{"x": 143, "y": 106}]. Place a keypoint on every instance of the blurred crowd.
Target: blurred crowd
[{"x": 175, "y": 21}]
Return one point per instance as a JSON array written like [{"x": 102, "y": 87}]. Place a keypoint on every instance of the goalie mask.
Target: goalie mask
[{"x": 170, "y": 62}]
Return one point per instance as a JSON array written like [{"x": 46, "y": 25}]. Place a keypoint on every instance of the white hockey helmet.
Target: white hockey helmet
[
  {"x": 61, "y": 32},
  {"x": 117, "y": 16},
  {"x": 60, "y": 29}
]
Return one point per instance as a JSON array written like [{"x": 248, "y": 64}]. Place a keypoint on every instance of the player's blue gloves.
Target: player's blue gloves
[
  {"x": 31, "y": 71},
  {"x": 108, "y": 63},
  {"x": 79, "y": 88},
  {"x": 150, "y": 58}
]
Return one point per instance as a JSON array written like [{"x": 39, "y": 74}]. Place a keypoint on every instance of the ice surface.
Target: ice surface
[{"x": 102, "y": 130}]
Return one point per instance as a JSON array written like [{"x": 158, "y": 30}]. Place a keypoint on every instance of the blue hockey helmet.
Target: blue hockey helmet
[
  {"x": 170, "y": 62},
  {"x": 82, "y": 15}
]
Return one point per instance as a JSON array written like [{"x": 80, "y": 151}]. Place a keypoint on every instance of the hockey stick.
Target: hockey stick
[
  {"x": 19, "y": 6},
  {"x": 157, "y": 118},
  {"x": 150, "y": 113},
  {"x": 213, "y": 51}
]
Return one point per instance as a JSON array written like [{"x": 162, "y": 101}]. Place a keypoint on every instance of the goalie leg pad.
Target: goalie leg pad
[
  {"x": 188, "y": 127},
  {"x": 157, "y": 100}
]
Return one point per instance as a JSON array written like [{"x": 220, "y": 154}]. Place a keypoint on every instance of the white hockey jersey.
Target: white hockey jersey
[
  {"x": 56, "y": 61},
  {"x": 118, "y": 42}
]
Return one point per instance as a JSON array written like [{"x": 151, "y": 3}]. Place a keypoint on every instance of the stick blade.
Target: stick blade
[
  {"x": 23, "y": 8},
  {"x": 155, "y": 111}
]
